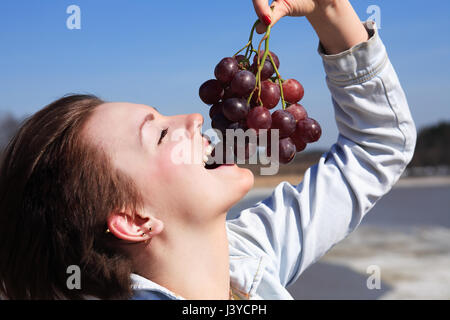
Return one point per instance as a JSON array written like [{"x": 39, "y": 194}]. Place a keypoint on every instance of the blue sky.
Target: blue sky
[{"x": 160, "y": 52}]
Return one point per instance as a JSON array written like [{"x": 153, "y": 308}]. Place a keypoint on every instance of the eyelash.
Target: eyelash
[{"x": 163, "y": 134}]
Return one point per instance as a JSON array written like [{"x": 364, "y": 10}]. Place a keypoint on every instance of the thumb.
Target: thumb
[{"x": 277, "y": 10}]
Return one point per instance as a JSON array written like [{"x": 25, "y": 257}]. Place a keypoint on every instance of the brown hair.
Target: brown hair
[{"x": 56, "y": 191}]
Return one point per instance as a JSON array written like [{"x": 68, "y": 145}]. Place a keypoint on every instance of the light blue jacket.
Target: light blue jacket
[{"x": 272, "y": 243}]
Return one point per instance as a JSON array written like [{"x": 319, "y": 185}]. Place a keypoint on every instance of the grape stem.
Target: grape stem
[
  {"x": 280, "y": 82},
  {"x": 249, "y": 45},
  {"x": 246, "y": 46},
  {"x": 250, "y": 40},
  {"x": 260, "y": 64}
]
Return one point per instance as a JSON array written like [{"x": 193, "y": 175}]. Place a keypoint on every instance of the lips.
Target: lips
[{"x": 206, "y": 141}]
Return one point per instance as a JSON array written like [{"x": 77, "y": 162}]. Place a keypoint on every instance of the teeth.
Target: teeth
[{"x": 209, "y": 150}]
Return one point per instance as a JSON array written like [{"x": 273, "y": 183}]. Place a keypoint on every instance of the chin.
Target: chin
[
  {"x": 232, "y": 184},
  {"x": 244, "y": 184},
  {"x": 248, "y": 180}
]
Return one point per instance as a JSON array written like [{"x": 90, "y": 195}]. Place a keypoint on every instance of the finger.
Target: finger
[
  {"x": 263, "y": 12},
  {"x": 261, "y": 28},
  {"x": 278, "y": 10}
]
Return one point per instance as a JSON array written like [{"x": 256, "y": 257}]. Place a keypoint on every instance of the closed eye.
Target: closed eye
[{"x": 163, "y": 134}]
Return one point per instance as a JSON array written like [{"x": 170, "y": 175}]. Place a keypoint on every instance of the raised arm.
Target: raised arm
[{"x": 298, "y": 224}]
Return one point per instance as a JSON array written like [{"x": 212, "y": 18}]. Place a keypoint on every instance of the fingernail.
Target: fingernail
[{"x": 267, "y": 20}]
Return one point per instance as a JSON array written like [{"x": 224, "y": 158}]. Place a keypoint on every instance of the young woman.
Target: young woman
[{"x": 95, "y": 185}]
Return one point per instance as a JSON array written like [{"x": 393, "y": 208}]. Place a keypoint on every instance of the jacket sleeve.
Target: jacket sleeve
[{"x": 297, "y": 225}]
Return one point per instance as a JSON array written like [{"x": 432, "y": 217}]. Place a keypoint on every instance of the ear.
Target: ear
[{"x": 133, "y": 228}]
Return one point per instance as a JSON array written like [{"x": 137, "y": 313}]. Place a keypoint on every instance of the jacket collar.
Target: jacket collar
[
  {"x": 140, "y": 283},
  {"x": 245, "y": 275}
]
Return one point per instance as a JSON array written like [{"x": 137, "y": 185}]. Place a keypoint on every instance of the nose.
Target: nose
[{"x": 194, "y": 122}]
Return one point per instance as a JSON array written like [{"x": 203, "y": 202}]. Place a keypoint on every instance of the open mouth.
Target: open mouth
[
  {"x": 211, "y": 163},
  {"x": 208, "y": 161},
  {"x": 212, "y": 166},
  {"x": 217, "y": 165},
  {"x": 209, "y": 157}
]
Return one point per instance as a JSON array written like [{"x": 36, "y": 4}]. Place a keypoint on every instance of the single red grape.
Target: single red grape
[
  {"x": 235, "y": 109},
  {"x": 226, "y": 69},
  {"x": 284, "y": 121},
  {"x": 211, "y": 91},
  {"x": 286, "y": 150},
  {"x": 298, "y": 111},
  {"x": 309, "y": 129},
  {"x": 259, "y": 118},
  {"x": 293, "y": 91},
  {"x": 270, "y": 94},
  {"x": 243, "y": 83}
]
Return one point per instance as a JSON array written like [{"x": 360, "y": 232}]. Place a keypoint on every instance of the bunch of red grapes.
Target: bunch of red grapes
[{"x": 243, "y": 94}]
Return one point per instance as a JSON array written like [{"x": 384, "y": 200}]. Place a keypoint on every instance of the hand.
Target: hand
[
  {"x": 335, "y": 21},
  {"x": 280, "y": 8}
]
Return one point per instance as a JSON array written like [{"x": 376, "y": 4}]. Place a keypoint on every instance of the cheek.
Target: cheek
[
  {"x": 181, "y": 152},
  {"x": 183, "y": 169},
  {"x": 175, "y": 166},
  {"x": 191, "y": 183},
  {"x": 184, "y": 188}
]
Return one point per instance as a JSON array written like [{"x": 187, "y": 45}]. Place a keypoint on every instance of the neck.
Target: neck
[{"x": 191, "y": 262}]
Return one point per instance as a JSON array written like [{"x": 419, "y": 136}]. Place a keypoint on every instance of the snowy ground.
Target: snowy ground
[
  {"x": 414, "y": 264},
  {"x": 406, "y": 237}
]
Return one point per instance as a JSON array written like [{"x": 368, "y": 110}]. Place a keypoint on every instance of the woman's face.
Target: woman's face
[{"x": 163, "y": 155}]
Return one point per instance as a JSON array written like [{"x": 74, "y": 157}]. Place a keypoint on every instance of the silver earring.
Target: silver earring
[{"x": 149, "y": 230}]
